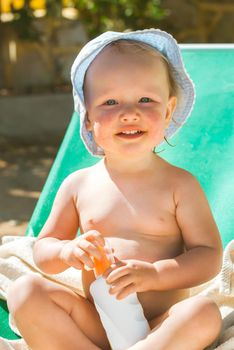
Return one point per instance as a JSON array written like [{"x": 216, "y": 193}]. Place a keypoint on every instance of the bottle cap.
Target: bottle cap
[{"x": 107, "y": 259}]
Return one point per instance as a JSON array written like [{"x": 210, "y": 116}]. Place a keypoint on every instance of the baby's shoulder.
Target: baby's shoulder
[
  {"x": 181, "y": 174},
  {"x": 184, "y": 182},
  {"x": 180, "y": 177},
  {"x": 77, "y": 177}
]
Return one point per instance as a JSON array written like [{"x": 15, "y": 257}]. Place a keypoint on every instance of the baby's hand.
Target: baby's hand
[
  {"x": 130, "y": 276},
  {"x": 79, "y": 252}
]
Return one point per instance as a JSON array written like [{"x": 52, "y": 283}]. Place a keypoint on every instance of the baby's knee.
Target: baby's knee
[
  {"x": 207, "y": 308},
  {"x": 207, "y": 317},
  {"x": 21, "y": 295}
]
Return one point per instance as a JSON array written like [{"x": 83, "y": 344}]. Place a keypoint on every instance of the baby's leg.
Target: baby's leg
[
  {"x": 193, "y": 324},
  {"x": 50, "y": 316}
]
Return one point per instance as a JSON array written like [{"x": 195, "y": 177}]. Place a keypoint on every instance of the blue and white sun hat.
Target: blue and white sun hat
[{"x": 162, "y": 42}]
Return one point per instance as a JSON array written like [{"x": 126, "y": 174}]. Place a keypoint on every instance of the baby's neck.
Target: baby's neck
[{"x": 132, "y": 166}]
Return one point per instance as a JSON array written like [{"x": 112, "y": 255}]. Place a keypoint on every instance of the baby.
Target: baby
[{"x": 132, "y": 93}]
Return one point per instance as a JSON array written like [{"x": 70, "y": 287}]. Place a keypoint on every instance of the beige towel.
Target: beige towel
[{"x": 16, "y": 260}]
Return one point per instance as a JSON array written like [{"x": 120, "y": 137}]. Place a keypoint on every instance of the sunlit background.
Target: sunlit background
[{"x": 39, "y": 8}]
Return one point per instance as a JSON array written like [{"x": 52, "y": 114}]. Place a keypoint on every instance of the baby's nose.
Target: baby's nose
[{"x": 129, "y": 114}]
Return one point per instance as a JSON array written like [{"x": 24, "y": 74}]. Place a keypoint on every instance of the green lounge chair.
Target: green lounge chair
[{"x": 204, "y": 146}]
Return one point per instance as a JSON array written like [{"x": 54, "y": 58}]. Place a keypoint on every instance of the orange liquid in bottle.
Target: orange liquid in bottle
[{"x": 101, "y": 265}]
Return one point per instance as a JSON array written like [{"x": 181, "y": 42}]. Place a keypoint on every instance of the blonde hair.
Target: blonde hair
[{"x": 123, "y": 45}]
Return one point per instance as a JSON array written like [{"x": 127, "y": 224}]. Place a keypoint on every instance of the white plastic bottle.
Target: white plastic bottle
[{"x": 123, "y": 320}]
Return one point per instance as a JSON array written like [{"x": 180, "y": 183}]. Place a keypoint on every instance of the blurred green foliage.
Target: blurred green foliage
[
  {"x": 100, "y": 16},
  {"x": 97, "y": 16},
  {"x": 23, "y": 22}
]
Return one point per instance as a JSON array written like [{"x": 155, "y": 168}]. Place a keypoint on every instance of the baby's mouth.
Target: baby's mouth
[{"x": 130, "y": 133}]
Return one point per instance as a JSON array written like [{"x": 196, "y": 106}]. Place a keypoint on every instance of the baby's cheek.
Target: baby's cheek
[
  {"x": 104, "y": 120},
  {"x": 101, "y": 134},
  {"x": 158, "y": 133}
]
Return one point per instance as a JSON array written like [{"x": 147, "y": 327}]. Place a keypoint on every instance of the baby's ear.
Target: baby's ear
[
  {"x": 88, "y": 122},
  {"x": 171, "y": 106}
]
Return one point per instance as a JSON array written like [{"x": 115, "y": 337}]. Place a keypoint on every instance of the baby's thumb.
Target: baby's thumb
[{"x": 118, "y": 262}]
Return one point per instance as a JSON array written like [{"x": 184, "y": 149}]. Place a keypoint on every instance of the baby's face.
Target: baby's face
[{"x": 127, "y": 100}]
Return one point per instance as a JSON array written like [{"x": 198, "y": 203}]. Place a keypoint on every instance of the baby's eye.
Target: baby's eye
[
  {"x": 145, "y": 100},
  {"x": 110, "y": 102}
]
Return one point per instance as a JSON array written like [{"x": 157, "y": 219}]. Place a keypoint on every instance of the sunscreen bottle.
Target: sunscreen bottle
[{"x": 123, "y": 320}]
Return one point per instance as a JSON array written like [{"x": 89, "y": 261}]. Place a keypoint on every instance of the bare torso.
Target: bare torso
[{"x": 139, "y": 223}]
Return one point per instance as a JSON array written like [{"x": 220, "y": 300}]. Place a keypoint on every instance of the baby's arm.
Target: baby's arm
[
  {"x": 202, "y": 259},
  {"x": 57, "y": 247}
]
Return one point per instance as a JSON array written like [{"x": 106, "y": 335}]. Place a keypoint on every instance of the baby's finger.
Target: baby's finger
[
  {"x": 116, "y": 273},
  {"x": 119, "y": 262},
  {"x": 90, "y": 248},
  {"x": 126, "y": 291},
  {"x": 95, "y": 236},
  {"x": 77, "y": 264},
  {"x": 72, "y": 261},
  {"x": 83, "y": 257},
  {"x": 120, "y": 284},
  {"x": 115, "y": 265}
]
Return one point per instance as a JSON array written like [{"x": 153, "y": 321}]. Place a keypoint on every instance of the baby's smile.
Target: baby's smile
[{"x": 131, "y": 134}]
